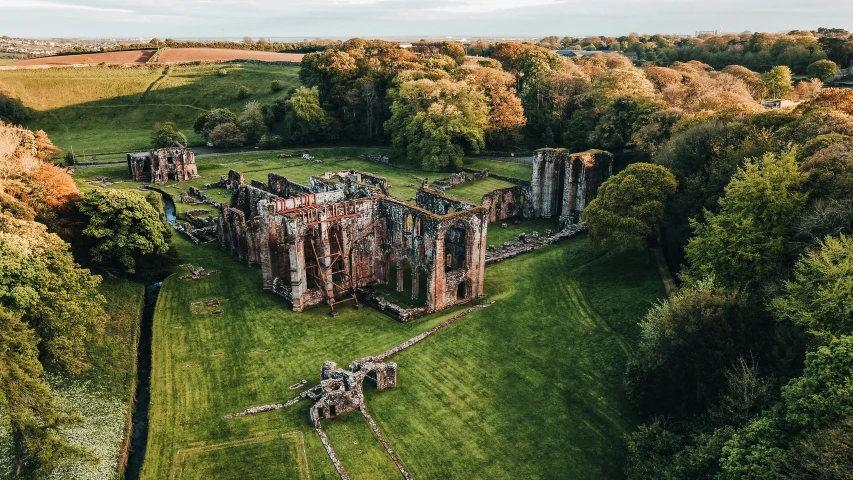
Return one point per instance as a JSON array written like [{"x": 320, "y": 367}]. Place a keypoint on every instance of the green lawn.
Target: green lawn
[
  {"x": 530, "y": 387},
  {"x": 474, "y": 191},
  {"x": 497, "y": 235},
  {"x": 497, "y": 167},
  {"x": 100, "y": 110},
  {"x": 256, "y": 166}
]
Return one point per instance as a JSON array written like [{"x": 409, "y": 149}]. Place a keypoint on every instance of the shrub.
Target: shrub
[
  {"x": 243, "y": 92},
  {"x": 223, "y": 72},
  {"x": 277, "y": 85}
]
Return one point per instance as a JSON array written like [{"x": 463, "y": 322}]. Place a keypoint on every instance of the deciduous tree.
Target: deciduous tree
[
  {"x": 122, "y": 227},
  {"x": 435, "y": 122},
  {"x": 629, "y": 206}
]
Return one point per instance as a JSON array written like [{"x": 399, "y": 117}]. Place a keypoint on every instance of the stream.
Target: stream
[{"x": 139, "y": 438}]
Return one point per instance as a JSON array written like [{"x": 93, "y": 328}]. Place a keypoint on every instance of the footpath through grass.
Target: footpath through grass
[{"x": 530, "y": 387}]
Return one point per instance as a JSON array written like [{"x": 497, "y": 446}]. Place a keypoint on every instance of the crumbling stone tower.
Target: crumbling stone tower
[{"x": 563, "y": 184}]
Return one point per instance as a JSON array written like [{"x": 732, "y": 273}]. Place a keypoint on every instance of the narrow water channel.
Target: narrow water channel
[{"x": 139, "y": 438}]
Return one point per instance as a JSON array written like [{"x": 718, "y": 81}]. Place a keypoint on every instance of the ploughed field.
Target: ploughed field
[
  {"x": 106, "y": 112},
  {"x": 138, "y": 57},
  {"x": 170, "y": 55},
  {"x": 177, "y": 55}
]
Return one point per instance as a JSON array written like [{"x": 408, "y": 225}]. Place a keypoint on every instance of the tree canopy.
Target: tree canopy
[
  {"x": 123, "y": 227},
  {"x": 628, "y": 207},
  {"x": 434, "y": 123}
]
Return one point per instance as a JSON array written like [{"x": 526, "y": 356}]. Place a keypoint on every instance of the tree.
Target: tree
[
  {"x": 227, "y": 135},
  {"x": 13, "y": 110},
  {"x": 823, "y": 70},
  {"x": 630, "y": 83},
  {"x": 435, "y": 122},
  {"x": 768, "y": 447},
  {"x": 167, "y": 133},
  {"x": 777, "y": 82},
  {"x": 41, "y": 283},
  {"x": 452, "y": 50},
  {"x": 820, "y": 296},
  {"x": 35, "y": 416},
  {"x": 744, "y": 244},
  {"x": 628, "y": 207},
  {"x": 122, "y": 227},
  {"x": 305, "y": 120},
  {"x": 251, "y": 123},
  {"x": 506, "y": 114},
  {"x": 207, "y": 121},
  {"x": 688, "y": 343}
]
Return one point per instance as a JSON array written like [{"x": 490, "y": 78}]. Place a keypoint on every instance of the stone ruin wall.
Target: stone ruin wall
[
  {"x": 443, "y": 239},
  {"x": 507, "y": 203},
  {"x": 563, "y": 184},
  {"x": 162, "y": 165}
]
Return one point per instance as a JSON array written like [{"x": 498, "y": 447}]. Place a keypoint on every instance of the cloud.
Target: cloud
[
  {"x": 484, "y": 6},
  {"x": 43, "y": 4}
]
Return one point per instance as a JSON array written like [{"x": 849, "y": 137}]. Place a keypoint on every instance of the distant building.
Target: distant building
[
  {"x": 778, "y": 103},
  {"x": 159, "y": 166}
]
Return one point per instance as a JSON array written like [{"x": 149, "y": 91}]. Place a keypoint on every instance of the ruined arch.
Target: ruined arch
[
  {"x": 456, "y": 247},
  {"x": 463, "y": 290}
]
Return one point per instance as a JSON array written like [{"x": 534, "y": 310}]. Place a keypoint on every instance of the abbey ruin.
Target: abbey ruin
[
  {"x": 159, "y": 166},
  {"x": 345, "y": 234}
]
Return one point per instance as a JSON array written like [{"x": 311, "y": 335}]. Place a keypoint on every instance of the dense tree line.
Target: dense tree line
[
  {"x": 745, "y": 371},
  {"x": 757, "y": 51},
  {"x": 525, "y": 96},
  {"x": 51, "y": 312}
]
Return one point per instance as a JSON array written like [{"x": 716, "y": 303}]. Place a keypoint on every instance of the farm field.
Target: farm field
[
  {"x": 101, "y": 110},
  {"x": 539, "y": 371},
  {"x": 138, "y": 57},
  {"x": 177, "y": 55}
]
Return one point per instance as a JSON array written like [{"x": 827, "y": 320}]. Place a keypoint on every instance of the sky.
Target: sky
[{"x": 409, "y": 18}]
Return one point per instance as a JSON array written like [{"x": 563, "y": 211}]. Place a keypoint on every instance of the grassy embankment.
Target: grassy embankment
[
  {"x": 101, "y": 110},
  {"x": 530, "y": 387}
]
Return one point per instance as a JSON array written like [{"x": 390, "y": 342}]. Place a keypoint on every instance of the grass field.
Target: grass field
[
  {"x": 100, "y": 110},
  {"x": 530, "y": 387}
]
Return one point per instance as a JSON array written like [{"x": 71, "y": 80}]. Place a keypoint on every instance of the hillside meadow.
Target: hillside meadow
[{"x": 103, "y": 110}]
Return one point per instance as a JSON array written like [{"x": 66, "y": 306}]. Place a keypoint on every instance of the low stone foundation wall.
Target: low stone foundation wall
[{"x": 526, "y": 243}]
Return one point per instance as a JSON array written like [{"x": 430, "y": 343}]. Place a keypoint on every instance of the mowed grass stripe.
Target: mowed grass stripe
[{"x": 534, "y": 370}]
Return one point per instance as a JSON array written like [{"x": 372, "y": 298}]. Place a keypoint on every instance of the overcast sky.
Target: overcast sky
[{"x": 378, "y": 18}]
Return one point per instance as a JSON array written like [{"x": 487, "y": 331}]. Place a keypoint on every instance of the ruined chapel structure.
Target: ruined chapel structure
[
  {"x": 344, "y": 233},
  {"x": 175, "y": 163}
]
